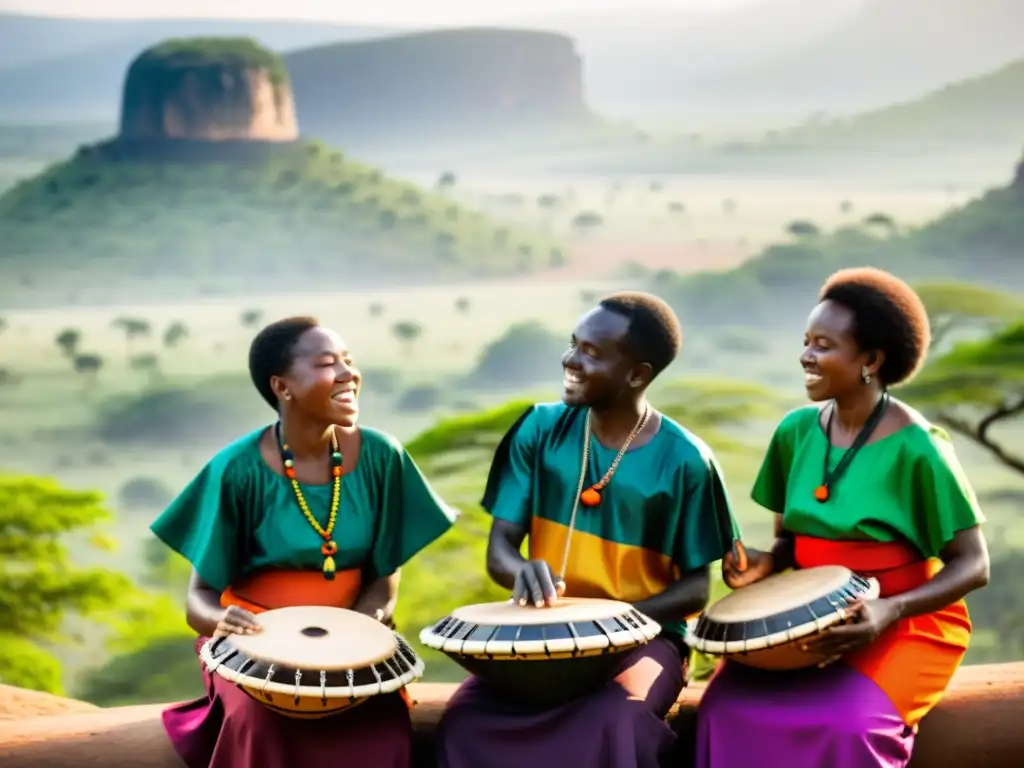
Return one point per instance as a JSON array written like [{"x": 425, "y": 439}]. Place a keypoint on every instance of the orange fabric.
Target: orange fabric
[
  {"x": 271, "y": 589},
  {"x": 266, "y": 590},
  {"x": 915, "y": 658}
]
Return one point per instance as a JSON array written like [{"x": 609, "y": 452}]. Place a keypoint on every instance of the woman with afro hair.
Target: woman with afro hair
[{"x": 862, "y": 480}]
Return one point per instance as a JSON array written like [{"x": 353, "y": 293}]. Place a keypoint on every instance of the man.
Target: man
[{"x": 642, "y": 521}]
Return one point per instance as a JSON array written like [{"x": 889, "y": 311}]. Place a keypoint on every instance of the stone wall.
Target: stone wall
[{"x": 978, "y": 723}]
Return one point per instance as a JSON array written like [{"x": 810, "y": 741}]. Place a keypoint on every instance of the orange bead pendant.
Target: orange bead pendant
[
  {"x": 821, "y": 493},
  {"x": 590, "y": 497}
]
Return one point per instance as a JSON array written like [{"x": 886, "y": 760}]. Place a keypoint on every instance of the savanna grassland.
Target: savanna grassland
[{"x": 129, "y": 396}]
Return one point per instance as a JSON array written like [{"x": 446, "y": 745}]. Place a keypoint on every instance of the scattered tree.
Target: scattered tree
[
  {"x": 39, "y": 584},
  {"x": 803, "y": 228},
  {"x": 68, "y": 341},
  {"x": 133, "y": 328},
  {"x": 252, "y": 317},
  {"x": 462, "y": 305},
  {"x": 88, "y": 366},
  {"x": 176, "y": 333},
  {"x": 976, "y": 387},
  {"x": 953, "y": 306},
  {"x": 407, "y": 332}
]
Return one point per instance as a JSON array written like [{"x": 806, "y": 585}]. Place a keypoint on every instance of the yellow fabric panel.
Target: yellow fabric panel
[{"x": 601, "y": 568}]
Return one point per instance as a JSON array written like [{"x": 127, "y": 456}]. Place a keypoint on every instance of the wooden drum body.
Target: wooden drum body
[
  {"x": 759, "y": 625},
  {"x": 312, "y": 661},
  {"x": 541, "y": 657}
]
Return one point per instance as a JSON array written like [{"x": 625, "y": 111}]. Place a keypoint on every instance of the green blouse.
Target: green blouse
[
  {"x": 238, "y": 516},
  {"x": 907, "y": 486}
]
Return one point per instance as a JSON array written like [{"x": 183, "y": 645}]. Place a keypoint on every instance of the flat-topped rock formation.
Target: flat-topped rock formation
[
  {"x": 450, "y": 81},
  {"x": 210, "y": 90},
  {"x": 978, "y": 723}
]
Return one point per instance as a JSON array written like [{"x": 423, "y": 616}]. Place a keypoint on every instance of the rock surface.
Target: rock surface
[
  {"x": 448, "y": 80},
  {"x": 208, "y": 89}
]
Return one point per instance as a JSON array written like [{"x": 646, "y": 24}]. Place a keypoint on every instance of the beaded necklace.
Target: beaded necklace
[{"x": 329, "y": 548}]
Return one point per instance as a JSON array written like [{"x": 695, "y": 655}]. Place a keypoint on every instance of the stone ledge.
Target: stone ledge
[{"x": 980, "y": 721}]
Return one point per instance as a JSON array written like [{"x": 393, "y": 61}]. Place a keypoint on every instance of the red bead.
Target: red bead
[
  {"x": 821, "y": 493},
  {"x": 289, "y": 473},
  {"x": 337, "y": 471},
  {"x": 590, "y": 497}
]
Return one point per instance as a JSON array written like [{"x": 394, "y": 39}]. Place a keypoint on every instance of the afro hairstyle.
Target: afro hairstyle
[{"x": 888, "y": 316}]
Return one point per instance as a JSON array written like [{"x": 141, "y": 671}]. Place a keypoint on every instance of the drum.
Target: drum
[
  {"x": 314, "y": 661},
  {"x": 541, "y": 656},
  {"x": 759, "y": 625}
]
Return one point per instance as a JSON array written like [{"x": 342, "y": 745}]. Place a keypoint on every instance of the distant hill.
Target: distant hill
[
  {"x": 438, "y": 84},
  {"x": 72, "y": 69},
  {"x": 891, "y": 51},
  {"x": 189, "y": 217},
  {"x": 630, "y": 56},
  {"x": 981, "y": 110}
]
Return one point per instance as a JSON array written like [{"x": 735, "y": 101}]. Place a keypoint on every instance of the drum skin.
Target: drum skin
[
  {"x": 765, "y": 624},
  {"x": 311, "y": 662}
]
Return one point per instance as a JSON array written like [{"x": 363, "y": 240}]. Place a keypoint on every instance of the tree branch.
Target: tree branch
[{"x": 979, "y": 433}]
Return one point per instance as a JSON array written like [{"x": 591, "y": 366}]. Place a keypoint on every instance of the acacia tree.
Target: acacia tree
[
  {"x": 40, "y": 587},
  {"x": 976, "y": 387},
  {"x": 959, "y": 306}
]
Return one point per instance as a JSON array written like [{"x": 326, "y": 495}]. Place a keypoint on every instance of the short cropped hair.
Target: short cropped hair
[
  {"x": 888, "y": 316},
  {"x": 273, "y": 351},
  {"x": 654, "y": 334}
]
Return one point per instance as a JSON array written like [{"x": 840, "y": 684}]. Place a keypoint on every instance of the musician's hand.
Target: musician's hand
[
  {"x": 760, "y": 565},
  {"x": 870, "y": 619},
  {"x": 236, "y": 621},
  {"x": 535, "y": 583}
]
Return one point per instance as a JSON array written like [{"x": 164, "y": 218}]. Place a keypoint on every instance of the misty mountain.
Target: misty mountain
[
  {"x": 892, "y": 50},
  {"x": 74, "y": 68}
]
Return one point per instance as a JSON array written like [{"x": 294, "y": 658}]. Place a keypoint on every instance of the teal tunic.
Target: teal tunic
[
  {"x": 237, "y": 516},
  {"x": 907, "y": 486},
  {"x": 665, "y": 512}
]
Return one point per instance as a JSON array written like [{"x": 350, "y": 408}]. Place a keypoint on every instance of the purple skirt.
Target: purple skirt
[
  {"x": 833, "y": 717},
  {"x": 622, "y": 725},
  {"x": 228, "y": 729}
]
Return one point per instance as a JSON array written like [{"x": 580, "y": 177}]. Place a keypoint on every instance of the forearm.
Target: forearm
[
  {"x": 203, "y": 609},
  {"x": 686, "y": 597},
  {"x": 957, "y": 579},
  {"x": 378, "y": 598},
  {"x": 783, "y": 552},
  {"x": 503, "y": 562}
]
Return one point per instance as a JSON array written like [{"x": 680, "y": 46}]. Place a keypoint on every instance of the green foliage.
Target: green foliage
[
  {"x": 525, "y": 354},
  {"x": 213, "y": 51},
  {"x": 952, "y": 304},
  {"x": 982, "y": 373},
  {"x": 167, "y": 669},
  {"x": 40, "y": 587},
  {"x": 224, "y": 219}
]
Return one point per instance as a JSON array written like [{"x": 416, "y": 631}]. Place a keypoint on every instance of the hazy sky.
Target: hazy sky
[{"x": 410, "y": 11}]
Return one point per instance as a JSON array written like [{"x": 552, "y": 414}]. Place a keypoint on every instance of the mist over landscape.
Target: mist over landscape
[{"x": 451, "y": 201}]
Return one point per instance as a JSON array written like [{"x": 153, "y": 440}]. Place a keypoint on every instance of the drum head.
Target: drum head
[
  {"x": 316, "y": 637},
  {"x": 567, "y": 609},
  {"x": 779, "y": 593}
]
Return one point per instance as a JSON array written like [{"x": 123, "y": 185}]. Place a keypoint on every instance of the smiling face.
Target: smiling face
[
  {"x": 323, "y": 381},
  {"x": 598, "y": 366},
  {"x": 833, "y": 363}
]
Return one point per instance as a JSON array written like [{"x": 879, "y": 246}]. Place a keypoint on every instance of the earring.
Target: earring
[
  {"x": 287, "y": 395},
  {"x": 865, "y": 375}
]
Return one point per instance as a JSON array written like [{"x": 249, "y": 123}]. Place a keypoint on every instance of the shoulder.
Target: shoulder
[
  {"x": 381, "y": 449},
  {"x": 237, "y": 459},
  {"x": 692, "y": 451},
  {"x": 799, "y": 421},
  {"x": 923, "y": 441},
  {"x": 542, "y": 419}
]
